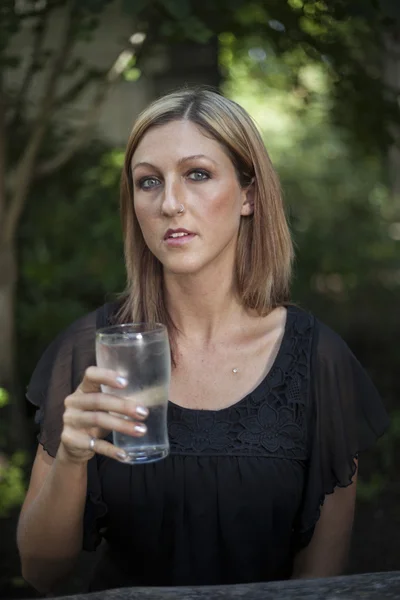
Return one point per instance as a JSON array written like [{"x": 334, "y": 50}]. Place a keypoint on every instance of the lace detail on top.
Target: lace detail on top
[{"x": 270, "y": 421}]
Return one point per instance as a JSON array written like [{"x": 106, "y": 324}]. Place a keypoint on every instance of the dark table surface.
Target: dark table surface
[{"x": 369, "y": 586}]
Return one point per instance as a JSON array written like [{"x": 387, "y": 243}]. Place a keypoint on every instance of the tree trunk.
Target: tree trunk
[{"x": 17, "y": 430}]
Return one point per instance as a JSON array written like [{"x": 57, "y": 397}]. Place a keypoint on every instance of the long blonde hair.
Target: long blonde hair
[{"x": 264, "y": 246}]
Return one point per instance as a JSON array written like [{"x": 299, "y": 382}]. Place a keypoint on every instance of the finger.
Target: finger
[
  {"x": 78, "y": 419},
  {"x": 79, "y": 442},
  {"x": 107, "y": 403},
  {"x": 96, "y": 376},
  {"x": 109, "y": 450}
]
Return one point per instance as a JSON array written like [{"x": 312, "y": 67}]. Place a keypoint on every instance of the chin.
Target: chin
[{"x": 182, "y": 267}]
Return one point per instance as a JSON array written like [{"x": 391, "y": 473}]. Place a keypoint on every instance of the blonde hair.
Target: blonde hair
[{"x": 264, "y": 246}]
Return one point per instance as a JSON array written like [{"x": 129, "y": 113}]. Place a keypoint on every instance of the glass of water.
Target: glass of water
[{"x": 140, "y": 352}]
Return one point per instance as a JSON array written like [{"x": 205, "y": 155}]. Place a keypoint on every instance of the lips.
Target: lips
[{"x": 177, "y": 233}]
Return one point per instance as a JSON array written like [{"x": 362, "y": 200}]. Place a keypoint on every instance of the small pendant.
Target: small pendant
[{"x": 235, "y": 370}]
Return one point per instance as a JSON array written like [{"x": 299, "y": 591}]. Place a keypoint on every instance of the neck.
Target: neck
[{"x": 202, "y": 305}]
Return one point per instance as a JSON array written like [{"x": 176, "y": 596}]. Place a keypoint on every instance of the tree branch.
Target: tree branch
[
  {"x": 24, "y": 172},
  {"x": 58, "y": 64},
  {"x": 92, "y": 115},
  {"x": 77, "y": 88},
  {"x": 28, "y": 14},
  {"x": 39, "y": 35}
]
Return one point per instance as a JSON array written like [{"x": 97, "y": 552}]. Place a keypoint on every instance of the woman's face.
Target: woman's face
[{"x": 175, "y": 166}]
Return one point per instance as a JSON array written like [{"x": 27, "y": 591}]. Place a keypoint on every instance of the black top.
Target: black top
[{"x": 242, "y": 487}]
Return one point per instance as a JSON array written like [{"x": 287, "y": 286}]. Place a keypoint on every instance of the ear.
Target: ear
[{"x": 248, "y": 200}]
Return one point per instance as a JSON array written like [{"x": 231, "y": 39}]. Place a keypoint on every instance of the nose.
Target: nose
[{"x": 172, "y": 197}]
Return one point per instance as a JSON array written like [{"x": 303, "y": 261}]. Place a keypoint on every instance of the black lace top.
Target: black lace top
[{"x": 241, "y": 490}]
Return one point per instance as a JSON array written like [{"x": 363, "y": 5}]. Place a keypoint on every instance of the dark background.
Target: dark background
[{"x": 322, "y": 80}]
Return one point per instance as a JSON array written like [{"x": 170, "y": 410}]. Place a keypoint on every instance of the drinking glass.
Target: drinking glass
[{"x": 140, "y": 352}]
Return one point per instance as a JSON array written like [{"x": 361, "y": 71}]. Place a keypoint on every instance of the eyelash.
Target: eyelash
[{"x": 140, "y": 182}]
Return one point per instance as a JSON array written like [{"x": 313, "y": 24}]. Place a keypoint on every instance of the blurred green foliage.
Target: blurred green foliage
[
  {"x": 12, "y": 469},
  {"x": 348, "y": 36},
  {"x": 312, "y": 75},
  {"x": 71, "y": 256},
  {"x": 345, "y": 222},
  {"x": 4, "y": 397},
  {"x": 303, "y": 70},
  {"x": 12, "y": 483},
  {"x": 344, "y": 218}
]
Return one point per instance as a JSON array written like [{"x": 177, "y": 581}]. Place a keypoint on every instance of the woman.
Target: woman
[{"x": 268, "y": 409}]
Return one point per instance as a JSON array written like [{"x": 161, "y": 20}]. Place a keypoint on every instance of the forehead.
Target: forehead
[{"x": 176, "y": 140}]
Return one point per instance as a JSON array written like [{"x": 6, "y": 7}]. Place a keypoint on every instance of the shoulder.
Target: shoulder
[
  {"x": 64, "y": 360},
  {"x": 80, "y": 331},
  {"x": 74, "y": 346},
  {"x": 327, "y": 346},
  {"x": 334, "y": 366},
  {"x": 84, "y": 328},
  {"x": 60, "y": 370}
]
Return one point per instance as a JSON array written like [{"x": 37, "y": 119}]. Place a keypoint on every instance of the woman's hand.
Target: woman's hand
[{"x": 87, "y": 417}]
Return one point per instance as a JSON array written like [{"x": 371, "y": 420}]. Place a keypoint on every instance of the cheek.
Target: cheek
[
  {"x": 147, "y": 223},
  {"x": 224, "y": 206},
  {"x": 144, "y": 214}
]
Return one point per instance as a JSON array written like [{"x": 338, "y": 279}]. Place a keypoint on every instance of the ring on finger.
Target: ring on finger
[{"x": 92, "y": 442}]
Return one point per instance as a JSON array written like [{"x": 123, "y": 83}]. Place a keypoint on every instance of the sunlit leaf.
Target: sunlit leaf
[
  {"x": 312, "y": 27},
  {"x": 296, "y": 4},
  {"x": 132, "y": 74},
  {"x": 4, "y": 397}
]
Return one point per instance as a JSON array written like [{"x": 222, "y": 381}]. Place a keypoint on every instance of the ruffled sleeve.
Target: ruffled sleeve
[
  {"x": 347, "y": 416},
  {"x": 57, "y": 374}
]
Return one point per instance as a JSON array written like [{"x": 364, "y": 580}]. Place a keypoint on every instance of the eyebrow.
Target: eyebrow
[{"x": 181, "y": 161}]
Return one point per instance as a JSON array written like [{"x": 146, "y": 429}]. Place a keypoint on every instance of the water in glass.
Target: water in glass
[{"x": 140, "y": 353}]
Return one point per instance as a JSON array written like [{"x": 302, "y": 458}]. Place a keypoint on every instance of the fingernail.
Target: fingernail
[
  {"x": 142, "y": 411},
  {"x": 122, "y": 381},
  {"x": 140, "y": 428},
  {"x": 122, "y": 455}
]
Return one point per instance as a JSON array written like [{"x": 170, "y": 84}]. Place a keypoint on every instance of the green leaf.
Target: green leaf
[
  {"x": 4, "y": 397},
  {"x": 296, "y": 4},
  {"x": 253, "y": 13},
  {"x": 12, "y": 487},
  {"x": 19, "y": 459},
  {"x": 132, "y": 74},
  {"x": 132, "y": 62},
  {"x": 311, "y": 27}
]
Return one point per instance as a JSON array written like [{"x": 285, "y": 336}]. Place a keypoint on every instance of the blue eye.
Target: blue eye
[
  {"x": 199, "y": 175},
  {"x": 148, "y": 183}
]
